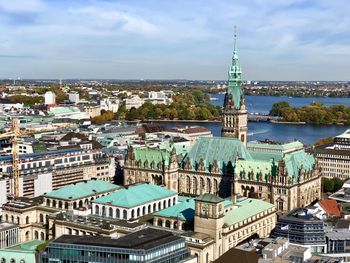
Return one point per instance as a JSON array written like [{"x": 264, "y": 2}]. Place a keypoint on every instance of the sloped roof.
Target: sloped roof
[
  {"x": 210, "y": 198},
  {"x": 149, "y": 154},
  {"x": 183, "y": 210},
  {"x": 330, "y": 207},
  {"x": 245, "y": 209},
  {"x": 82, "y": 189},
  {"x": 135, "y": 195},
  {"x": 223, "y": 150},
  {"x": 295, "y": 160}
]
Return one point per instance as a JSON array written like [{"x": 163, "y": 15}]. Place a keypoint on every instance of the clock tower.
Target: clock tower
[
  {"x": 234, "y": 114},
  {"x": 209, "y": 218}
]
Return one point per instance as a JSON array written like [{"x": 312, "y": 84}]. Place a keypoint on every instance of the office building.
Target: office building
[
  {"x": 334, "y": 159},
  {"x": 50, "y": 98},
  {"x": 148, "y": 245}
]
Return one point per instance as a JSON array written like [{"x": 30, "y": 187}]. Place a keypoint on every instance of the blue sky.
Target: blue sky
[{"x": 174, "y": 39}]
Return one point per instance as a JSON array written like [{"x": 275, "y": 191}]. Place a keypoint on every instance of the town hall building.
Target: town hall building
[{"x": 280, "y": 173}]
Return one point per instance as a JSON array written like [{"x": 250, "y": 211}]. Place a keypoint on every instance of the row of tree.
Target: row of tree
[
  {"x": 186, "y": 106},
  {"x": 315, "y": 113}
]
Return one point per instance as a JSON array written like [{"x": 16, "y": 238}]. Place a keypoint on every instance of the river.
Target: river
[{"x": 307, "y": 134}]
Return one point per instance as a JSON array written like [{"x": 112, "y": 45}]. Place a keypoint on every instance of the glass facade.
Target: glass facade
[{"x": 171, "y": 252}]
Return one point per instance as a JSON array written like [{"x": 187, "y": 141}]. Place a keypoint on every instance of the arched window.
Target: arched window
[
  {"x": 12, "y": 219},
  {"x": 27, "y": 235},
  {"x": 144, "y": 210},
  {"x": 22, "y": 261},
  {"x": 42, "y": 236},
  {"x": 17, "y": 220},
  {"x": 208, "y": 185},
  {"x": 174, "y": 201},
  {"x": 138, "y": 212},
  {"x": 41, "y": 218},
  {"x": 54, "y": 203},
  {"x": 27, "y": 219},
  {"x": 12, "y": 260},
  {"x": 3, "y": 260},
  {"x": 75, "y": 205},
  {"x": 110, "y": 214},
  {"x": 60, "y": 205},
  {"x": 7, "y": 217},
  {"x": 97, "y": 210},
  {"x": 133, "y": 213},
  {"x": 160, "y": 222},
  {"x": 103, "y": 211},
  {"x": 125, "y": 215},
  {"x": 216, "y": 186},
  {"x": 36, "y": 235},
  {"x": 69, "y": 231},
  {"x": 81, "y": 203},
  {"x": 207, "y": 258},
  {"x": 159, "y": 205},
  {"x": 66, "y": 205},
  {"x": 195, "y": 184},
  {"x": 188, "y": 184},
  {"x": 48, "y": 202},
  {"x": 118, "y": 213},
  {"x": 167, "y": 223},
  {"x": 169, "y": 202},
  {"x": 149, "y": 209},
  {"x": 154, "y": 207},
  {"x": 202, "y": 185}
]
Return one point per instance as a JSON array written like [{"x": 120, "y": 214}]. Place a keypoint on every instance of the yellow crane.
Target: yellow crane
[{"x": 15, "y": 133}]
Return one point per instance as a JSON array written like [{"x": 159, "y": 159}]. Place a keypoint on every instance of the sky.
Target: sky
[{"x": 174, "y": 39}]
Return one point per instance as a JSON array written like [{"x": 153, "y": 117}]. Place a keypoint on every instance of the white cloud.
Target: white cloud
[{"x": 21, "y": 6}]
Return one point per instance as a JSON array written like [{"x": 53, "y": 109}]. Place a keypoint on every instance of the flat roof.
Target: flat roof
[
  {"x": 135, "y": 195},
  {"x": 28, "y": 246},
  {"x": 82, "y": 189},
  {"x": 144, "y": 239}
]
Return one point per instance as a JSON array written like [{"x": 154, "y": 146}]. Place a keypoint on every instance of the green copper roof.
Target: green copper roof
[
  {"x": 63, "y": 110},
  {"x": 180, "y": 149},
  {"x": 275, "y": 147},
  {"x": 234, "y": 79},
  {"x": 82, "y": 189},
  {"x": 183, "y": 210},
  {"x": 257, "y": 167},
  {"x": 221, "y": 149},
  {"x": 28, "y": 246},
  {"x": 293, "y": 154},
  {"x": 152, "y": 155},
  {"x": 297, "y": 160},
  {"x": 135, "y": 195},
  {"x": 209, "y": 198},
  {"x": 246, "y": 208}
]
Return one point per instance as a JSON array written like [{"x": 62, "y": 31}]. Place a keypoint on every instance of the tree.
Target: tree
[
  {"x": 323, "y": 141},
  {"x": 328, "y": 185},
  {"x": 278, "y": 108}
]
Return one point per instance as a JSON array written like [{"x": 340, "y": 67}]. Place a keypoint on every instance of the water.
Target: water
[
  {"x": 263, "y": 104},
  {"x": 307, "y": 134}
]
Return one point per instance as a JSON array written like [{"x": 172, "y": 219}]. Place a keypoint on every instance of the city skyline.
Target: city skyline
[{"x": 293, "y": 40}]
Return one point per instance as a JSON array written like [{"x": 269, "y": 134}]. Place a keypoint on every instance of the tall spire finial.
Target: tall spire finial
[{"x": 235, "y": 40}]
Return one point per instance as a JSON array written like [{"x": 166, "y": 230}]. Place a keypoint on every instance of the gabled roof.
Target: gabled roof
[
  {"x": 82, "y": 189},
  {"x": 330, "y": 207},
  {"x": 136, "y": 195}
]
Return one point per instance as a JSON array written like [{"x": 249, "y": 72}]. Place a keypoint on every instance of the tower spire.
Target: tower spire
[{"x": 235, "y": 55}]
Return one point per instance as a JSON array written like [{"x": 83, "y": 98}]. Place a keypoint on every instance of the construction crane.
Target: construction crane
[{"x": 15, "y": 133}]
